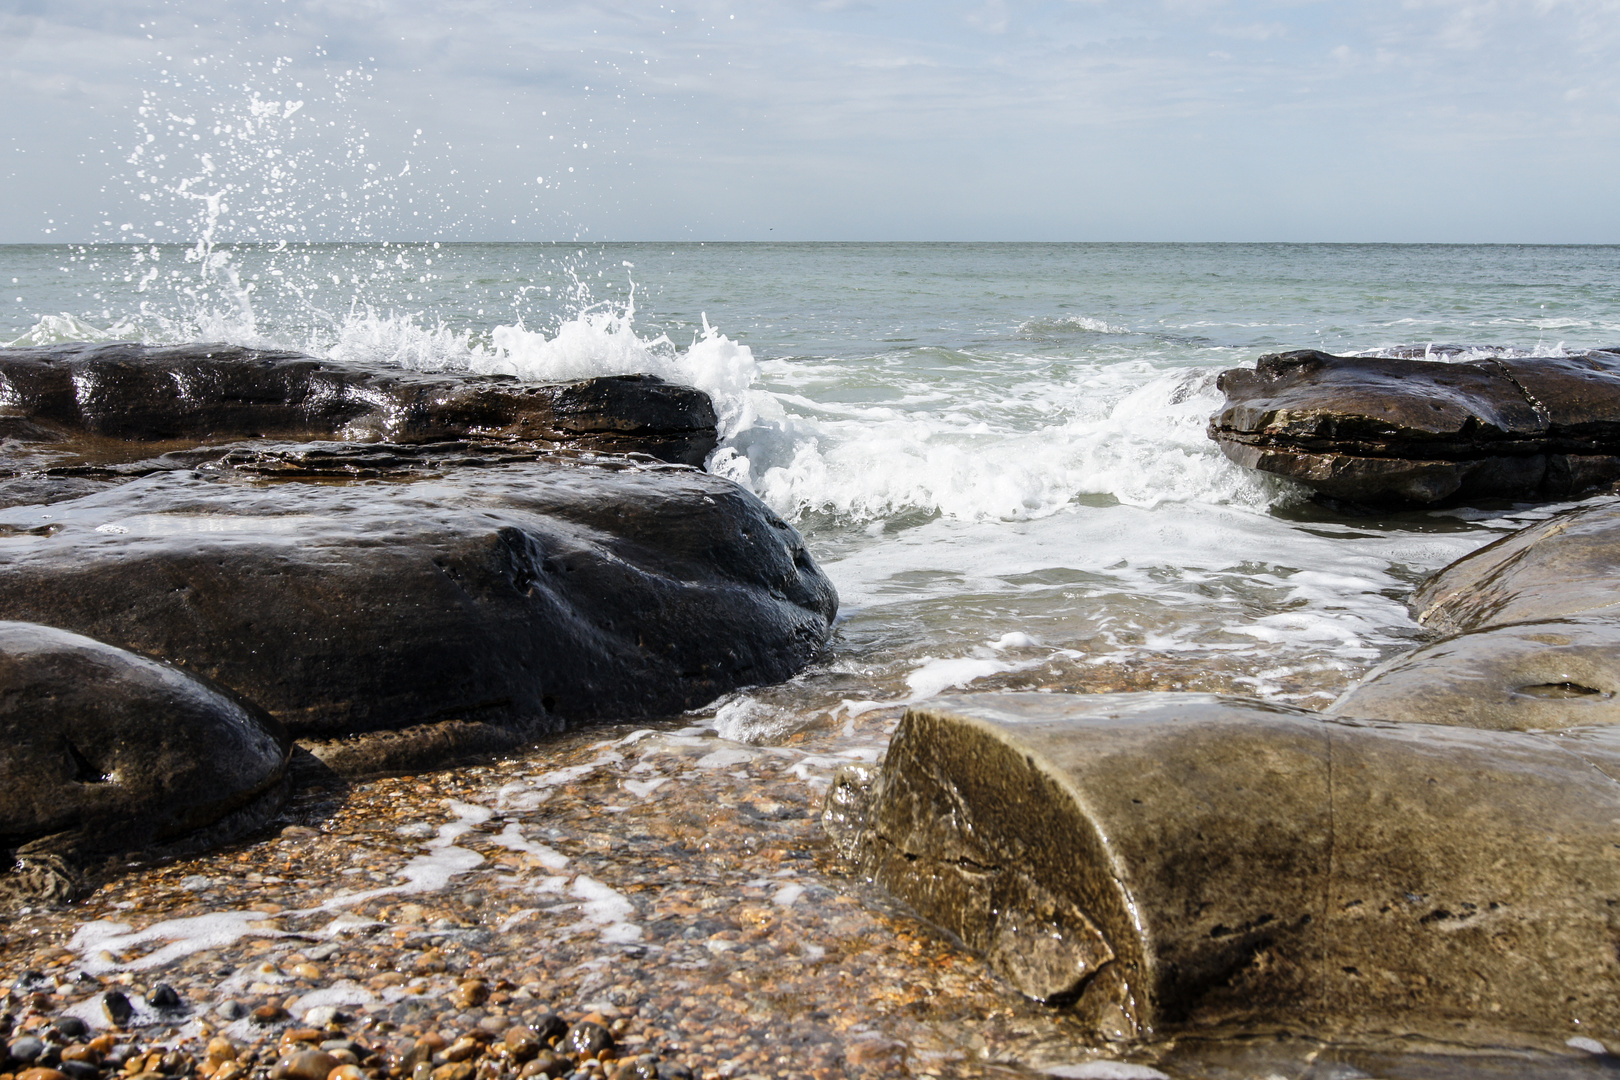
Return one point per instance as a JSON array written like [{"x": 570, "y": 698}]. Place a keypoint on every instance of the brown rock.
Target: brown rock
[
  {"x": 1380, "y": 429},
  {"x": 347, "y": 1072},
  {"x": 522, "y": 1042},
  {"x": 41, "y": 1073},
  {"x": 455, "y": 1070},
  {"x": 304, "y": 1065},
  {"x": 471, "y": 994}
]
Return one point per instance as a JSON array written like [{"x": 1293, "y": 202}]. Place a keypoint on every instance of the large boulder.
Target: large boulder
[
  {"x": 1179, "y": 863},
  {"x": 60, "y": 403},
  {"x": 107, "y": 753},
  {"x": 381, "y": 588},
  {"x": 1395, "y": 429}
]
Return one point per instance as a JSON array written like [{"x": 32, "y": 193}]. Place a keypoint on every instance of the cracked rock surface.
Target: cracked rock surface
[
  {"x": 1400, "y": 430},
  {"x": 1188, "y": 864}
]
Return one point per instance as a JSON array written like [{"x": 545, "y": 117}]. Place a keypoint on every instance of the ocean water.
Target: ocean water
[{"x": 996, "y": 451}]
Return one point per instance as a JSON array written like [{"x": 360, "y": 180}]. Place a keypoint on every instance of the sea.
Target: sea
[{"x": 997, "y": 452}]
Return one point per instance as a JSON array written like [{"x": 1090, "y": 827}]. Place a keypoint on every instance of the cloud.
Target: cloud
[{"x": 943, "y": 118}]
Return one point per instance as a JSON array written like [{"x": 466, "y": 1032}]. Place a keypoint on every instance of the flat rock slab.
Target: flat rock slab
[
  {"x": 1383, "y": 429},
  {"x": 1184, "y": 863},
  {"x": 504, "y": 599},
  {"x": 1536, "y": 676},
  {"x": 108, "y": 753},
  {"x": 1563, "y": 567},
  {"x": 88, "y": 402}
]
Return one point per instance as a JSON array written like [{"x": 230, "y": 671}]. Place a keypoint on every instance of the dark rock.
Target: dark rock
[
  {"x": 586, "y": 1039},
  {"x": 1380, "y": 429},
  {"x": 1173, "y": 863},
  {"x": 79, "y": 400},
  {"x": 454, "y": 614},
  {"x": 550, "y": 1027},
  {"x": 70, "y": 1027},
  {"x": 163, "y": 996},
  {"x": 79, "y": 1070},
  {"x": 26, "y": 1049},
  {"x": 108, "y": 752},
  {"x": 117, "y": 1007}
]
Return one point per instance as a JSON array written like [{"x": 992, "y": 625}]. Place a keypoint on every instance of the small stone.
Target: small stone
[
  {"x": 587, "y": 1039},
  {"x": 307, "y": 970},
  {"x": 81, "y": 1052},
  {"x": 550, "y": 1027},
  {"x": 41, "y": 1074},
  {"x": 344, "y": 1046},
  {"x": 302, "y": 1035},
  {"x": 299, "y": 832},
  {"x": 462, "y": 1049},
  {"x": 80, "y": 1070},
  {"x": 163, "y": 996},
  {"x": 221, "y": 1049},
  {"x": 522, "y": 1042},
  {"x": 117, "y": 1007},
  {"x": 323, "y": 1016},
  {"x": 71, "y": 1027},
  {"x": 230, "y": 1009},
  {"x": 636, "y": 1070},
  {"x": 26, "y": 1048},
  {"x": 422, "y": 1070},
  {"x": 471, "y": 994},
  {"x": 348, "y": 1071},
  {"x": 266, "y": 1015},
  {"x": 668, "y": 1070},
  {"x": 455, "y": 1070},
  {"x": 304, "y": 1065}
]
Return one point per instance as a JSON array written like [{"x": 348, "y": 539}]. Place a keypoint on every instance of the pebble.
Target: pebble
[
  {"x": 27, "y": 1048},
  {"x": 117, "y": 1007},
  {"x": 304, "y": 1065},
  {"x": 164, "y": 996}
]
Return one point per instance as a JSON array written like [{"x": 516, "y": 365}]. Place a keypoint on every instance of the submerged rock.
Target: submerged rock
[
  {"x": 1183, "y": 863},
  {"x": 108, "y": 753},
  {"x": 1381, "y": 429},
  {"x": 462, "y": 603},
  {"x": 87, "y": 402}
]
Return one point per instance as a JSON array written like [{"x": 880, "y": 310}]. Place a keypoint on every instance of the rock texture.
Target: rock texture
[
  {"x": 351, "y": 590},
  {"x": 106, "y": 752},
  {"x": 1184, "y": 863},
  {"x": 104, "y": 403},
  {"x": 1533, "y": 633},
  {"x": 1381, "y": 429}
]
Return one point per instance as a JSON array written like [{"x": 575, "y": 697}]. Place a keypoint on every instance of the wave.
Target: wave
[
  {"x": 1002, "y": 445},
  {"x": 1068, "y": 324}
]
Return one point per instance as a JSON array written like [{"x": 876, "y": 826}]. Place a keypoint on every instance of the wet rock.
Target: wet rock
[
  {"x": 1524, "y": 677},
  {"x": 1168, "y": 863},
  {"x": 27, "y": 1048},
  {"x": 1380, "y": 429},
  {"x": 163, "y": 996},
  {"x": 1562, "y": 567},
  {"x": 522, "y": 1042},
  {"x": 73, "y": 401},
  {"x": 117, "y": 1008},
  {"x": 587, "y": 1039},
  {"x": 453, "y": 617},
  {"x": 108, "y": 752},
  {"x": 304, "y": 1065}
]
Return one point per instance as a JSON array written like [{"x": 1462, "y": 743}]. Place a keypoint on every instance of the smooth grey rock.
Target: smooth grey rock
[
  {"x": 1184, "y": 863},
  {"x": 456, "y": 610},
  {"x": 1394, "y": 429},
  {"x": 109, "y": 753},
  {"x": 1528, "y": 676},
  {"x": 1562, "y": 567}
]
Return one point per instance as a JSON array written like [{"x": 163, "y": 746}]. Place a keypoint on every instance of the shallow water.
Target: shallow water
[{"x": 997, "y": 451}]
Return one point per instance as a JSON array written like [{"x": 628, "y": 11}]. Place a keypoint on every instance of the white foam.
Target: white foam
[{"x": 1104, "y": 1070}]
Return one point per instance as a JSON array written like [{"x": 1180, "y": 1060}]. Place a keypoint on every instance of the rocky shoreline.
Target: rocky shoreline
[{"x": 1416, "y": 883}]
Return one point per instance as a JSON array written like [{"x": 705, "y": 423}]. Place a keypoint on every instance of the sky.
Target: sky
[{"x": 1064, "y": 120}]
